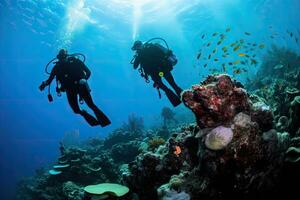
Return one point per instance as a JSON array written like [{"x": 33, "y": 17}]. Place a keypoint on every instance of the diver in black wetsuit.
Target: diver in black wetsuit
[
  {"x": 157, "y": 61},
  {"x": 72, "y": 75}
]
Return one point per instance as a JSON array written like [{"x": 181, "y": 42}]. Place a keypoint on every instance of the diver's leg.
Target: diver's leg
[
  {"x": 102, "y": 118},
  {"x": 169, "y": 77},
  {"x": 173, "y": 98},
  {"x": 73, "y": 102}
]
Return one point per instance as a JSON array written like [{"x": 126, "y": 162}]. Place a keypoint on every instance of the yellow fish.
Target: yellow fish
[
  {"x": 237, "y": 71},
  {"x": 232, "y": 44},
  {"x": 242, "y": 54},
  {"x": 236, "y": 62},
  {"x": 224, "y": 48},
  {"x": 237, "y": 48}
]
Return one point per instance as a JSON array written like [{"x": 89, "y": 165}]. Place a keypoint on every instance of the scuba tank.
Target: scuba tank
[{"x": 54, "y": 61}]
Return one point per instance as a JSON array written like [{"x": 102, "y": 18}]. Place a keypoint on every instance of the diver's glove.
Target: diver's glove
[{"x": 42, "y": 86}]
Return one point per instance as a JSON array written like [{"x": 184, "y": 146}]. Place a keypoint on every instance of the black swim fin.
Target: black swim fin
[
  {"x": 173, "y": 98},
  {"x": 89, "y": 118},
  {"x": 102, "y": 118}
]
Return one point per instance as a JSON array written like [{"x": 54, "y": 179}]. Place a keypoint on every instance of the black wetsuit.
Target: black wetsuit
[
  {"x": 152, "y": 59},
  {"x": 69, "y": 73}
]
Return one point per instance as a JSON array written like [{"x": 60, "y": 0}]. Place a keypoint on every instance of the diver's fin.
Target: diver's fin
[
  {"x": 102, "y": 118},
  {"x": 89, "y": 118},
  {"x": 173, "y": 98}
]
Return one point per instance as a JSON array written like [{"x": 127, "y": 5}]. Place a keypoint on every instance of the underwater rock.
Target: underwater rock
[
  {"x": 125, "y": 152},
  {"x": 293, "y": 155},
  {"x": 72, "y": 191},
  {"x": 218, "y": 138},
  {"x": 150, "y": 170},
  {"x": 165, "y": 193},
  {"x": 294, "y": 123},
  {"x": 283, "y": 123},
  {"x": 216, "y": 101}
]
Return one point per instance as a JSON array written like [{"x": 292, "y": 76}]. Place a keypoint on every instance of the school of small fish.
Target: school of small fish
[{"x": 236, "y": 56}]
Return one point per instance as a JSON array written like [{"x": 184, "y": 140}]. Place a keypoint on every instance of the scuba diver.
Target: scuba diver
[
  {"x": 157, "y": 61},
  {"x": 71, "y": 77}
]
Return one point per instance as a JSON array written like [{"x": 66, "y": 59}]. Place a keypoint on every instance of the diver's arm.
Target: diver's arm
[
  {"x": 49, "y": 80},
  {"x": 136, "y": 62},
  {"x": 87, "y": 71}
]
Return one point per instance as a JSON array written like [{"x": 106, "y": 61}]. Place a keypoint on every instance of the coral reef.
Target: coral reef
[
  {"x": 245, "y": 144},
  {"x": 230, "y": 153},
  {"x": 91, "y": 163}
]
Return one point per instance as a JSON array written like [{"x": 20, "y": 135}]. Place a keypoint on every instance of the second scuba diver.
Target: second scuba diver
[
  {"x": 157, "y": 61},
  {"x": 71, "y": 76}
]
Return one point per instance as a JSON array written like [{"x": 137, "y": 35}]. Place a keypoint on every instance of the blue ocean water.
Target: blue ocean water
[{"x": 32, "y": 31}]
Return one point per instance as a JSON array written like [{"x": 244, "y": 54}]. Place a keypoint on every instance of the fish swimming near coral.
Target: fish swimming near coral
[
  {"x": 237, "y": 71},
  {"x": 177, "y": 150}
]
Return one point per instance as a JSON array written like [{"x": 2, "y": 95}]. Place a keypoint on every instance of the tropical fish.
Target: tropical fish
[
  {"x": 216, "y": 59},
  {"x": 242, "y": 41},
  {"x": 224, "y": 67},
  {"x": 222, "y": 36},
  {"x": 291, "y": 34},
  {"x": 237, "y": 48},
  {"x": 236, "y": 62},
  {"x": 214, "y": 51},
  {"x": 177, "y": 150},
  {"x": 296, "y": 39},
  {"x": 228, "y": 30},
  {"x": 214, "y": 34},
  {"x": 198, "y": 56},
  {"x": 232, "y": 44},
  {"x": 244, "y": 70},
  {"x": 209, "y": 56},
  {"x": 242, "y": 54},
  {"x": 247, "y": 33},
  {"x": 219, "y": 42},
  {"x": 230, "y": 63},
  {"x": 203, "y": 36},
  {"x": 224, "y": 48},
  {"x": 205, "y": 65},
  {"x": 261, "y": 46},
  {"x": 254, "y": 44},
  {"x": 224, "y": 56},
  {"x": 208, "y": 44},
  {"x": 254, "y": 55},
  {"x": 237, "y": 71},
  {"x": 243, "y": 62},
  {"x": 247, "y": 56},
  {"x": 253, "y": 62}
]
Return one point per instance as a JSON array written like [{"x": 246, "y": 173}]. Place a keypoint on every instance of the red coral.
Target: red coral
[{"x": 217, "y": 100}]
